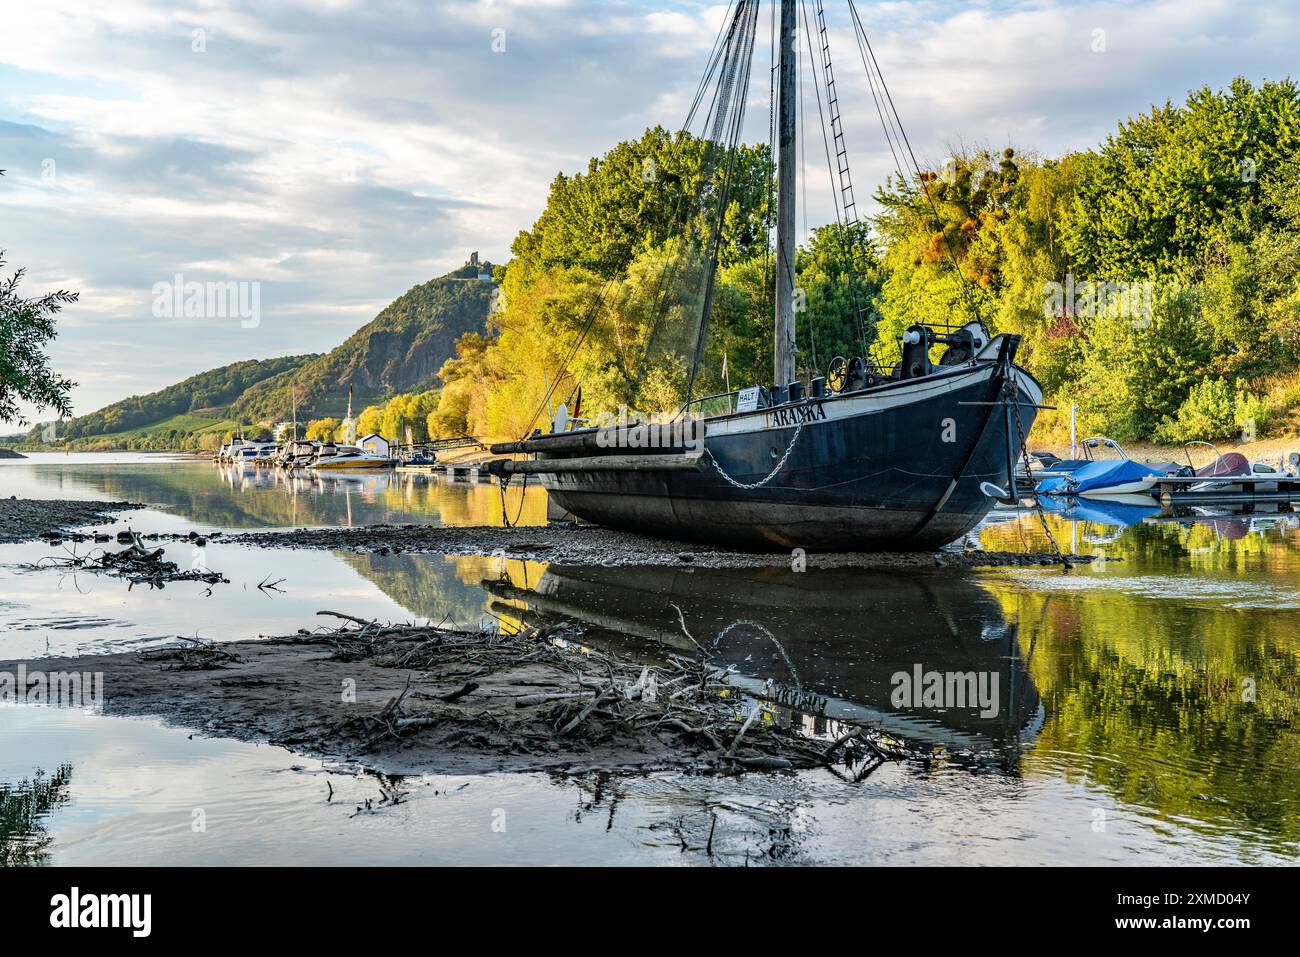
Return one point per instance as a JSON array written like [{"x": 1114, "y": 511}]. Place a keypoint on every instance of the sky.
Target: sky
[{"x": 326, "y": 156}]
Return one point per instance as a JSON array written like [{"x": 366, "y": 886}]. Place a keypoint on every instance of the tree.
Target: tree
[
  {"x": 322, "y": 430},
  {"x": 26, "y": 325},
  {"x": 839, "y": 275},
  {"x": 370, "y": 420},
  {"x": 1165, "y": 181}
]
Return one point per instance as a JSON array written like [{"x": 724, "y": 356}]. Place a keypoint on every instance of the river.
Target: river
[{"x": 1141, "y": 710}]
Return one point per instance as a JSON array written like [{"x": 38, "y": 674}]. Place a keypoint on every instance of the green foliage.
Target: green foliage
[
  {"x": 1132, "y": 372},
  {"x": 1208, "y": 412},
  {"x": 606, "y": 291},
  {"x": 943, "y": 258},
  {"x": 840, "y": 274},
  {"x": 26, "y": 326},
  {"x": 407, "y": 414},
  {"x": 323, "y": 430},
  {"x": 1202, "y": 246},
  {"x": 637, "y": 197},
  {"x": 1164, "y": 182}
]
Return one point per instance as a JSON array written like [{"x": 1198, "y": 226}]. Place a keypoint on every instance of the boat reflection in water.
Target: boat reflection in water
[
  {"x": 1106, "y": 521},
  {"x": 826, "y": 645}
]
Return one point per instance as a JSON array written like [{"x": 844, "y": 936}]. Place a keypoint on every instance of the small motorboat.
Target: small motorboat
[
  {"x": 1218, "y": 473},
  {"x": 1094, "y": 477},
  {"x": 350, "y": 457},
  {"x": 298, "y": 454},
  {"x": 251, "y": 453}
]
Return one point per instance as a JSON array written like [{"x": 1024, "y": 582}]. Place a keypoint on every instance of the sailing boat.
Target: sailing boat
[{"x": 902, "y": 459}]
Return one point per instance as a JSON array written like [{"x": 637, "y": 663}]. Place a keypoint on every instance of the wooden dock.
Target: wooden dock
[
  {"x": 1172, "y": 492},
  {"x": 460, "y": 472}
]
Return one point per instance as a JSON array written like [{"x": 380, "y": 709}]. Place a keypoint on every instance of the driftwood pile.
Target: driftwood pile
[
  {"x": 136, "y": 563},
  {"x": 541, "y": 690},
  {"x": 195, "y": 655}
]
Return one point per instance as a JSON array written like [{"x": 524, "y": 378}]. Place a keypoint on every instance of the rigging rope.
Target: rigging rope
[
  {"x": 803, "y": 182},
  {"x": 841, "y": 225},
  {"x": 740, "y": 71},
  {"x": 865, "y": 43},
  {"x": 719, "y": 56},
  {"x": 735, "y": 52}
]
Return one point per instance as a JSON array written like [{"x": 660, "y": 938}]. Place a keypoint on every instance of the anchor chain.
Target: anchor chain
[
  {"x": 770, "y": 475},
  {"x": 1029, "y": 474},
  {"x": 504, "y": 482}
]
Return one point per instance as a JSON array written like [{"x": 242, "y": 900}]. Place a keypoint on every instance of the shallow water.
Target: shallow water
[{"x": 1144, "y": 709}]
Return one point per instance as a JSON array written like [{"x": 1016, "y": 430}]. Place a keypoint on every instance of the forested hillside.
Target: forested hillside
[
  {"x": 402, "y": 348},
  {"x": 204, "y": 396}
]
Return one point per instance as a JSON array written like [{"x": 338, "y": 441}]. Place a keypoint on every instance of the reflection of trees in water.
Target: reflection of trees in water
[
  {"x": 1260, "y": 542},
  {"x": 439, "y": 587},
  {"x": 1149, "y": 697},
  {"x": 23, "y": 809},
  {"x": 251, "y": 498}
]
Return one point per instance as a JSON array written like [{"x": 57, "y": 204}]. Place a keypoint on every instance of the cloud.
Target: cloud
[{"x": 341, "y": 152}]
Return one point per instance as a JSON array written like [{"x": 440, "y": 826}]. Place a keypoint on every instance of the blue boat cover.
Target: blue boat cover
[{"x": 1096, "y": 477}]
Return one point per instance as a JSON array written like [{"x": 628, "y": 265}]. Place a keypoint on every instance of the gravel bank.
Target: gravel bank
[
  {"x": 586, "y": 545},
  {"x": 23, "y": 519}
]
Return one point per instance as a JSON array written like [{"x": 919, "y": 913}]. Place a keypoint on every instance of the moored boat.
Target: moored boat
[
  {"x": 349, "y": 457},
  {"x": 870, "y": 457}
]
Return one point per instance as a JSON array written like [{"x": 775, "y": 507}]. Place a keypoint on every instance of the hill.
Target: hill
[
  {"x": 400, "y": 350},
  {"x": 193, "y": 405}
]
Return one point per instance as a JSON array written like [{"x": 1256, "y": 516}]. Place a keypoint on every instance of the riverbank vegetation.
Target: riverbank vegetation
[
  {"x": 1155, "y": 278},
  {"x": 26, "y": 329}
]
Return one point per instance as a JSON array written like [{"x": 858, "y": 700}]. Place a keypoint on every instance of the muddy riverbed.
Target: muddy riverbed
[
  {"x": 420, "y": 700},
  {"x": 587, "y": 545}
]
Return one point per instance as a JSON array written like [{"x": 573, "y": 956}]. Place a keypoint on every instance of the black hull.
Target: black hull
[{"x": 907, "y": 466}]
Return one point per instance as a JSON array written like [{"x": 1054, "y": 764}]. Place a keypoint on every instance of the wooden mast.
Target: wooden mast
[{"x": 783, "y": 341}]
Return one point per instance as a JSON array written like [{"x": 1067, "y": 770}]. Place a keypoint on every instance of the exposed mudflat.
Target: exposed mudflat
[
  {"x": 416, "y": 699},
  {"x": 25, "y": 519},
  {"x": 588, "y": 545}
]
